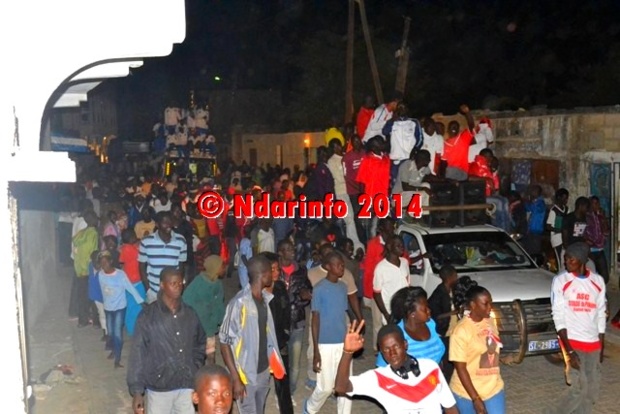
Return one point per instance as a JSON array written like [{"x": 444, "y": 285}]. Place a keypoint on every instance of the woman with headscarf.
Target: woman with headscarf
[{"x": 206, "y": 296}]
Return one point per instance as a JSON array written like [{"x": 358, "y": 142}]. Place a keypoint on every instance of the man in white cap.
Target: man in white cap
[{"x": 578, "y": 306}]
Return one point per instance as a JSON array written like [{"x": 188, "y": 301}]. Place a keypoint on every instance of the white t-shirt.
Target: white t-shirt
[
  {"x": 171, "y": 140},
  {"x": 424, "y": 394},
  {"x": 434, "y": 145},
  {"x": 578, "y": 305},
  {"x": 556, "y": 238},
  {"x": 402, "y": 139},
  {"x": 389, "y": 279},
  {"x": 190, "y": 121},
  {"x": 482, "y": 138},
  {"x": 266, "y": 241},
  {"x": 201, "y": 118},
  {"x": 335, "y": 167},
  {"x": 182, "y": 138},
  {"x": 158, "y": 206},
  {"x": 377, "y": 122},
  {"x": 172, "y": 116}
]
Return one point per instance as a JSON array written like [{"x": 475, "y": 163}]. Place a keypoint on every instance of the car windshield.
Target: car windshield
[{"x": 479, "y": 251}]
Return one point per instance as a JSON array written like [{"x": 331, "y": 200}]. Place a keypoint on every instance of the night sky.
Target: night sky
[{"x": 503, "y": 54}]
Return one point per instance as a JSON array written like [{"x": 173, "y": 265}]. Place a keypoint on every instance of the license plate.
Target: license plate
[{"x": 551, "y": 344}]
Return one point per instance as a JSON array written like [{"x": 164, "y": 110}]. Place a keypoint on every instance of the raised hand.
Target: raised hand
[{"x": 354, "y": 341}]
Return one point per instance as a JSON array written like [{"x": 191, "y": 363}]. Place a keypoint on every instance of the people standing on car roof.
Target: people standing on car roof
[
  {"x": 554, "y": 224},
  {"x": 474, "y": 349},
  {"x": 579, "y": 313},
  {"x": 456, "y": 147}
]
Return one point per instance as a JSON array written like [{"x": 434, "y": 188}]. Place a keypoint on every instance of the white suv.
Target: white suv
[{"x": 520, "y": 289}]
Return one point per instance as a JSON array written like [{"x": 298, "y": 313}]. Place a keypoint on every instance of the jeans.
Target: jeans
[
  {"x": 377, "y": 320},
  {"x": 600, "y": 262},
  {"x": 349, "y": 221},
  {"x": 83, "y": 303},
  {"x": 283, "y": 390},
  {"x": 133, "y": 309},
  {"x": 169, "y": 402},
  {"x": 231, "y": 244},
  {"x": 254, "y": 401},
  {"x": 494, "y": 405},
  {"x": 115, "y": 321},
  {"x": 501, "y": 218},
  {"x": 581, "y": 396},
  {"x": 294, "y": 357}
]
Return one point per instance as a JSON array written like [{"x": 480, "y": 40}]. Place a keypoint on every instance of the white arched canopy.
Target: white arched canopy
[{"x": 57, "y": 53}]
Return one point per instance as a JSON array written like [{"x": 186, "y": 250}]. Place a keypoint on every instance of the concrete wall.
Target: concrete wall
[
  {"x": 292, "y": 147},
  {"x": 38, "y": 261}
]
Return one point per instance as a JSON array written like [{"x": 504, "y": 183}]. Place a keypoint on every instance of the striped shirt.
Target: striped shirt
[
  {"x": 433, "y": 348},
  {"x": 157, "y": 255}
]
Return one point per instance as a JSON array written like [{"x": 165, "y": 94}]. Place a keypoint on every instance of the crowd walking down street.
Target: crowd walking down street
[{"x": 294, "y": 314}]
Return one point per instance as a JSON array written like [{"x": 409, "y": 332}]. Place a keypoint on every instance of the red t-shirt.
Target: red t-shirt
[
  {"x": 363, "y": 118},
  {"x": 480, "y": 168},
  {"x": 374, "y": 173},
  {"x": 129, "y": 259},
  {"x": 456, "y": 150},
  {"x": 351, "y": 162},
  {"x": 374, "y": 254}
]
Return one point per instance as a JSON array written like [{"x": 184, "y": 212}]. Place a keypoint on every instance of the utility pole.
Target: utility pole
[
  {"x": 349, "y": 109},
  {"x": 371, "y": 53},
  {"x": 403, "y": 60}
]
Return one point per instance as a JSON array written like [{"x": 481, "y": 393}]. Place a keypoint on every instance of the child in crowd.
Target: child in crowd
[
  {"x": 128, "y": 258},
  {"x": 94, "y": 291},
  {"x": 206, "y": 295},
  {"x": 213, "y": 390},
  {"x": 110, "y": 243},
  {"x": 114, "y": 283},
  {"x": 329, "y": 327}
]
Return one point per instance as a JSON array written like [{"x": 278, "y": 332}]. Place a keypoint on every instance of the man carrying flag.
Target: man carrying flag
[{"x": 405, "y": 385}]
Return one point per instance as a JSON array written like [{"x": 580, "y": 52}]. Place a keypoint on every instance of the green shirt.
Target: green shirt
[
  {"x": 207, "y": 300},
  {"x": 85, "y": 242}
]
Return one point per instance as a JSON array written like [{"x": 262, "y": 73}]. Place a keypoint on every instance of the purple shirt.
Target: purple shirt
[{"x": 351, "y": 163}]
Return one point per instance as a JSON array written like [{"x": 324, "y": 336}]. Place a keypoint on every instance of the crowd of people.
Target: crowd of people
[{"x": 148, "y": 264}]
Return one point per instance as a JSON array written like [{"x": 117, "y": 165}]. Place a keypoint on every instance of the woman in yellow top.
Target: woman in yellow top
[{"x": 474, "y": 349}]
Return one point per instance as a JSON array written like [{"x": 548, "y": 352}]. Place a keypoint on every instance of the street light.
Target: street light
[{"x": 306, "y": 150}]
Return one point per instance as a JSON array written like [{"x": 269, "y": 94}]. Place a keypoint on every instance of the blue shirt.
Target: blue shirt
[
  {"x": 329, "y": 300},
  {"x": 113, "y": 287},
  {"x": 538, "y": 210},
  {"x": 94, "y": 288},
  {"x": 245, "y": 249},
  {"x": 157, "y": 254},
  {"x": 433, "y": 348}
]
